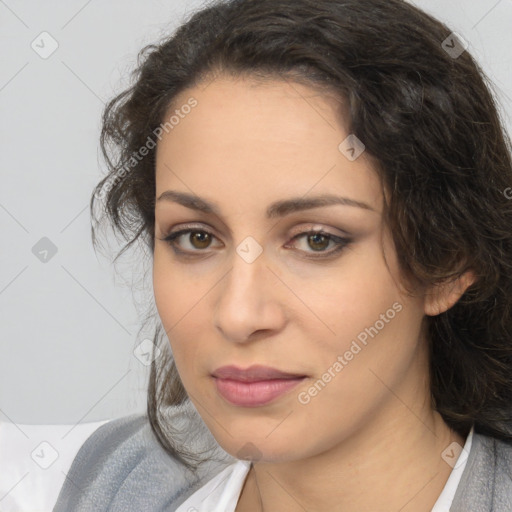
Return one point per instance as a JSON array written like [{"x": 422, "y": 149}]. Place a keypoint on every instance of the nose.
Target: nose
[{"x": 248, "y": 301}]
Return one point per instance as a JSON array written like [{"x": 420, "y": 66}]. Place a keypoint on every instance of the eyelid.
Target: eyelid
[{"x": 316, "y": 226}]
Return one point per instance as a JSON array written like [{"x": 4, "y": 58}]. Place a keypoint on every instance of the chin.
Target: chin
[{"x": 262, "y": 450}]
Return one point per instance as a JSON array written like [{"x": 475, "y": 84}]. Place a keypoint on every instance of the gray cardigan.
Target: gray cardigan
[{"x": 122, "y": 468}]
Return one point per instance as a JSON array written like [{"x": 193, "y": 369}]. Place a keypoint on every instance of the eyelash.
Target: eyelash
[{"x": 340, "y": 242}]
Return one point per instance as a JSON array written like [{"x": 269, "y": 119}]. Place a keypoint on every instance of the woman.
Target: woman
[{"x": 322, "y": 187}]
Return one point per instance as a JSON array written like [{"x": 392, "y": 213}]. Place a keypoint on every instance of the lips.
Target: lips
[
  {"x": 255, "y": 386},
  {"x": 253, "y": 373}
]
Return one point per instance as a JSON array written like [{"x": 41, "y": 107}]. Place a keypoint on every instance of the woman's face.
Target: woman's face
[{"x": 248, "y": 285}]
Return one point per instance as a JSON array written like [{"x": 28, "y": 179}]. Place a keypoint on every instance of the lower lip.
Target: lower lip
[{"x": 254, "y": 394}]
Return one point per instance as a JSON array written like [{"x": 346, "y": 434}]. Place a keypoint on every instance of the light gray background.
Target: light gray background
[{"x": 69, "y": 326}]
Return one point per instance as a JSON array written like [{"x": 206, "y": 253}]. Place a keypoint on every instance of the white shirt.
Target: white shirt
[
  {"x": 35, "y": 460},
  {"x": 222, "y": 492}
]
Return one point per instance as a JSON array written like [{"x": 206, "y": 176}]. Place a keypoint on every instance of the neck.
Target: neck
[{"x": 393, "y": 462}]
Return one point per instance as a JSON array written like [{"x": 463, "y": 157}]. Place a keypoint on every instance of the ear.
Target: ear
[{"x": 442, "y": 296}]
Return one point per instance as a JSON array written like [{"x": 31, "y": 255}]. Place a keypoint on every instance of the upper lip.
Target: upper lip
[{"x": 253, "y": 373}]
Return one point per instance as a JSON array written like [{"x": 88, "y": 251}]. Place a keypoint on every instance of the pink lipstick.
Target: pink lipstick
[{"x": 255, "y": 386}]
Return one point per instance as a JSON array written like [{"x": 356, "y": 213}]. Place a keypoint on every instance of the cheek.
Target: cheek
[
  {"x": 354, "y": 377},
  {"x": 177, "y": 293},
  {"x": 362, "y": 290},
  {"x": 375, "y": 326},
  {"x": 177, "y": 303}
]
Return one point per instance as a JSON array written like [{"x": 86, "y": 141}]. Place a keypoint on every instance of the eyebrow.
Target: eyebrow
[{"x": 276, "y": 209}]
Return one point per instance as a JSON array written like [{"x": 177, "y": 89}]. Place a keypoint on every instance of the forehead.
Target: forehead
[
  {"x": 260, "y": 109},
  {"x": 251, "y": 135}
]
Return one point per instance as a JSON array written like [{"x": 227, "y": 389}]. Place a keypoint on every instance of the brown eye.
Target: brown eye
[
  {"x": 318, "y": 241},
  {"x": 190, "y": 240},
  {"x": 200, "y": 239}
]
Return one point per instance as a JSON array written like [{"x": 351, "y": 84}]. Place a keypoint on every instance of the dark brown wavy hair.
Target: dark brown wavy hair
[{"x": 428, "y": 118}]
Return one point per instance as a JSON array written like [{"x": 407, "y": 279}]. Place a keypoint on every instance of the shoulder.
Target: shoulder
[
  {"x": 122, "y": 467},
  {"x": 486, "y": 483}
]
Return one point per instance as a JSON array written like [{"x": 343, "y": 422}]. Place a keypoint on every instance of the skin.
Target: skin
[{"x": 369, "y": 440}]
